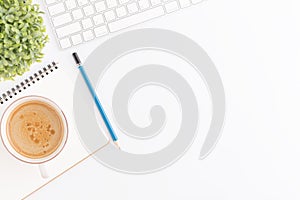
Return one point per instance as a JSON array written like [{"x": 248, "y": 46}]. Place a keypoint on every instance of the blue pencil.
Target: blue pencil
[{"x": 96, "y": 99}]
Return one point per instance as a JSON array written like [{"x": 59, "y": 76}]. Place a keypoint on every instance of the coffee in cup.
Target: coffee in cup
[{"x": 35, "y": 129}]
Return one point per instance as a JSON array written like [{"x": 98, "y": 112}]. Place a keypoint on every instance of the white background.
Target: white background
[{"x": 255, "y": 46}]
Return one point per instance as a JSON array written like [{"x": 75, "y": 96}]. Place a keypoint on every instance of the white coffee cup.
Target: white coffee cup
[{"x": 5, "y": 137}]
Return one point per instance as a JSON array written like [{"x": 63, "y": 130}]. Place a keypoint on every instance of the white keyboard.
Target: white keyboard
[{"x": 79, "y": 21}]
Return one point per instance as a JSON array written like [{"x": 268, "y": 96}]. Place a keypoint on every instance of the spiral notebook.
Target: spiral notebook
[
  {"x": 18, "y": 179},
  {"x": 23, "y": 85}
]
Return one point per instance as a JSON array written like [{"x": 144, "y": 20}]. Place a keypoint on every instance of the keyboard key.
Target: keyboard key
[
  {"x": 77, "y": 14},
  {"x": 171, "y": 7},
  {"x": 144, "y": 4},
  {"x": 155, "y": 2},
  {"x": 76, "y": 39},
  {"x": 82, "y": 2},
  {"x": 132, "y": 8},
  {"x": 196, "y": 1},
  {"x": 123, "y": 1},
  {"x": 88, "y": 10},
  {"x": 56, "y": 9},
  {"x": 70, "y": 4},
  {"x": 184, "y": 3},
  {"x": 98, "y": 19},
  {"x": 87, "y": 23},
  {"x": 100, "y": 6},
  {"x": 61, "y": 19},
  {"x": 50, "y": 1},
  {"x": 111, "y": 3},
  {"x": 88, "y": 35},
  {"x": 121, "y": 12},
  {"x": 110, "y": 15},
  {"x": 136, "y": 19},
  {"x": 100, "y": 31},
  {"x": 65, "y": 43},
  {"x": 68, "y": 30}
]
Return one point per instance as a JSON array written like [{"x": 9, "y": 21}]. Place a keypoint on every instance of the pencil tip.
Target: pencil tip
[{"x": 117, "y": 145}]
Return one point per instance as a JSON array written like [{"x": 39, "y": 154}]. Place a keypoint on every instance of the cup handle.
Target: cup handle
[{"x": 43, "y": 171}]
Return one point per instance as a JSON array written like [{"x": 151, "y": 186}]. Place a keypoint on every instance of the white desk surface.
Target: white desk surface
[{"x": 255, "y": 46}]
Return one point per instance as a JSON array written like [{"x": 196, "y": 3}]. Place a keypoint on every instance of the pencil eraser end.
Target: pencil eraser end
[{"x": 76, "y": 58}]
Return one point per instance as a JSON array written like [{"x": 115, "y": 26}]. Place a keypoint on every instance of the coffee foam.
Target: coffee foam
[{"x": 35, "y": 129}]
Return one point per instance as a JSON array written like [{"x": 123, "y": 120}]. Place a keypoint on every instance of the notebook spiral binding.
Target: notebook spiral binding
[{"x": 40, "y": 74}]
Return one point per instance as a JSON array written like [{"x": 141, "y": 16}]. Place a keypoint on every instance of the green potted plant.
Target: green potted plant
[{"x": 22, "y": 37}]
